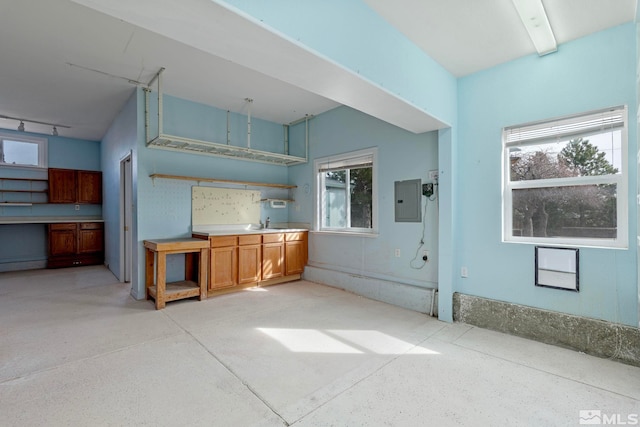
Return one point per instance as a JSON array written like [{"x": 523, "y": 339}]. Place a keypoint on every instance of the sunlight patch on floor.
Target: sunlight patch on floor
[{"x": 342, "y": 341}]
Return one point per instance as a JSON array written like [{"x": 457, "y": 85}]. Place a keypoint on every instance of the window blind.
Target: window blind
[
  {"x": 358, "y": 162},
  {"x": 567, "y": 128}
]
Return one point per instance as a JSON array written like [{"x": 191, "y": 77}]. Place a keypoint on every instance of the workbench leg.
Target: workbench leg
[
  {"x": 202, "y": 273},
  {"x": 189, "y": 267},
  {"x": 149, "y": 264},
  {"x": 161, "y": 280}
]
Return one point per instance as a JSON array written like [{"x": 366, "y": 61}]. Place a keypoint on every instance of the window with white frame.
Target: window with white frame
[
  {"x": 565, "y": 180},
  {"x": 346, "y": 187},
  {"x": 23, "y": 151}
]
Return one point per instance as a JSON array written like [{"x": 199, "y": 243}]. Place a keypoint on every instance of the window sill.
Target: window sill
[
  {"x": 24, "y": 167},
  {"x": 608, "y": 244},
  {"x": 345, "y": 233}
]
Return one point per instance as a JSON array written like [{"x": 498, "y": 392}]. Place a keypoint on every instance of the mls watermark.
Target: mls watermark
[{"x": 598, "y": 418}]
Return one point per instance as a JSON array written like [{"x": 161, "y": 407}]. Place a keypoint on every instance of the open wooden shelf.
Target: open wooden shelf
[
  {"x": 177, "y": 290},
  {"x": 226, "y": 181},
  {"x": 25, "y": 188}
]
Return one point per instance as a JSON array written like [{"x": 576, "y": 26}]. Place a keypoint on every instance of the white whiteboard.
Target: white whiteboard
[{"x": 220, "y": 206}]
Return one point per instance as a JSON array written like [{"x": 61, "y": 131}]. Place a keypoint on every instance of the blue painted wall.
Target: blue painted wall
[
  {"x": 28, "y": 242},
  {"x": 65, "y": 153},
  {"x": 402, "y": 156},
  {"x": 164, "y": 206},
  {"x": 350, "y": 33},
  {"x": 361, "y": 41},
  {"x": 594, "y": 72},
  {"x": 199, "y": 121},
  {"x": 120, "y": 140}
]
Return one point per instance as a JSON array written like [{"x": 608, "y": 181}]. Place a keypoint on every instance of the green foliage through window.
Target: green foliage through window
[{"x": 565, "y": 188}]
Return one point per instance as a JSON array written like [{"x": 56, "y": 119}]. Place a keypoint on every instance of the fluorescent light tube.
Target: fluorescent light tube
[{"x": 534, "y": 18}]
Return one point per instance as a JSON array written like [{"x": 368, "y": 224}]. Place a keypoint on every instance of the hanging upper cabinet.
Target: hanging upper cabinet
[
  {"x": 90, "y": 187},
  {"x": 75, "y": 186}
]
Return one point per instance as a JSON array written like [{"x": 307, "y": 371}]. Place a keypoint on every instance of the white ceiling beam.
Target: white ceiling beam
[{"x": 214, "y": 29}]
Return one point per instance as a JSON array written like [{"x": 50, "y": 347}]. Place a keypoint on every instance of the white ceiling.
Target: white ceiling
[
  {"x": 218, "y": 58},
  {"x": 466, "y": 36}
]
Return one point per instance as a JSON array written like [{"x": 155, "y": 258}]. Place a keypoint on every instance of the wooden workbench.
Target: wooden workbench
[{"x": 195, "y": 283}]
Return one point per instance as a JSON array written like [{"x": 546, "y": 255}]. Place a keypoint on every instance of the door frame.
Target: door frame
[{"x": 126, "y": 218}]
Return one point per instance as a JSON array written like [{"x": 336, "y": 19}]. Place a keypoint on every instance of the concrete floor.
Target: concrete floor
[{"x": 77, "y": 350}]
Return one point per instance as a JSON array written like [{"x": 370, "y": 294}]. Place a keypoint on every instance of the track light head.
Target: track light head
[
  {"x": 21, "y": 126},
  {"x": 54, "y": 131}
]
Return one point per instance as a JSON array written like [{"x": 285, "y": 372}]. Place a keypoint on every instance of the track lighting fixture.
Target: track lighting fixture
[{"x": 54, "y": 130}]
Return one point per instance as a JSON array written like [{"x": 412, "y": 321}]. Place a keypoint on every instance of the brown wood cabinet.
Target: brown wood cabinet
[
  {"x": 241, "y": 261},
  {"x": 295, "y": 253},
  {"x": 74, "y": 244},
  {"x": 90, "y": 237},
  {"x": 75, "y": 186},
  {"x": 272, "y": 256},
  {"x": 249, "y": 258},
  {"x": 62, "y": 186},
  {"x": 63, "y": 240},
  {"x": 223, "y": 265},
  {"x": 90, "y": 187}
]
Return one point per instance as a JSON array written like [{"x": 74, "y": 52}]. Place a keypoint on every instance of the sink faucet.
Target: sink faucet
[{"x": 266, "y": 223}]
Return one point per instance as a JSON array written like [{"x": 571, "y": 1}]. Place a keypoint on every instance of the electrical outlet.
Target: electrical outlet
[
  {"x": 425, "y": 256},
  {"x": 464, "y": 272},
  {"x": 397, "y": 253},
  {"x": 433, "y": 175},
  {"x": 77, "y": 207}
]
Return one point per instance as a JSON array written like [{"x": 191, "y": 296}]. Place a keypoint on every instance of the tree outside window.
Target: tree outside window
[
  {"x": 565, "y": 182},
  {"x": 346, "y": 185},
  {"x": 573, "y": 211},
  {"x": 349, "y": 205}
]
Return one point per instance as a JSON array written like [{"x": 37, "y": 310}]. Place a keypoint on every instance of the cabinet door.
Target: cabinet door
[
  {"x": 223, "y": 268},
  {"x": 249, "y": 262},
  {"x": 294, "y": 257},
  {"x": 272, "y": 260},
  {"x": 62, "y": 239},
  {"x": 90, "y": 238},
  {"x": 62, "y": 186},
  {"x": 89, "y": 187}
]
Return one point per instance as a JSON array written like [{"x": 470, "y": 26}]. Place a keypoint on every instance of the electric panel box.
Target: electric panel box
[{"x": 408, "y": 195}]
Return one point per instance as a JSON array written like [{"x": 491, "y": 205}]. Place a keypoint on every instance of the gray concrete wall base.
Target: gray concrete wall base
[
  {"x": 399, "y": 294},
  {"x": 591, "y": 336}
]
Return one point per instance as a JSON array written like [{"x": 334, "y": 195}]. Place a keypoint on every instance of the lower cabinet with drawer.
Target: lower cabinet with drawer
[
  {"x": 249, "y": 258},
  {"x": 223, "y": 265},
  {"x": 272, "y": 256},
  {"x": 242, "y": 261},
  {"x": 75, "y": 243},
  {"x": 295, "y": 253}
]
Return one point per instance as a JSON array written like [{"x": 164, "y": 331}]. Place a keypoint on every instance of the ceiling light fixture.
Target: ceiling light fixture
[
  {"x": 535, "y": 20},
  {"x": 55, "y": 126}
]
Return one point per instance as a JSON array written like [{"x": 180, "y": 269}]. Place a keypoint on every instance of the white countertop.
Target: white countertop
[
  {"x": 47, "y": 219},
  {"x": 227, "y": 230}
]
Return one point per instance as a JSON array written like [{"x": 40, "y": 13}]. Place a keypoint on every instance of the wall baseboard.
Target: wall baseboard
[
  {"x": 591, "y": 336},
  {"x": 407, "y": 296},
  {"x": 23, "y": 265}
]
